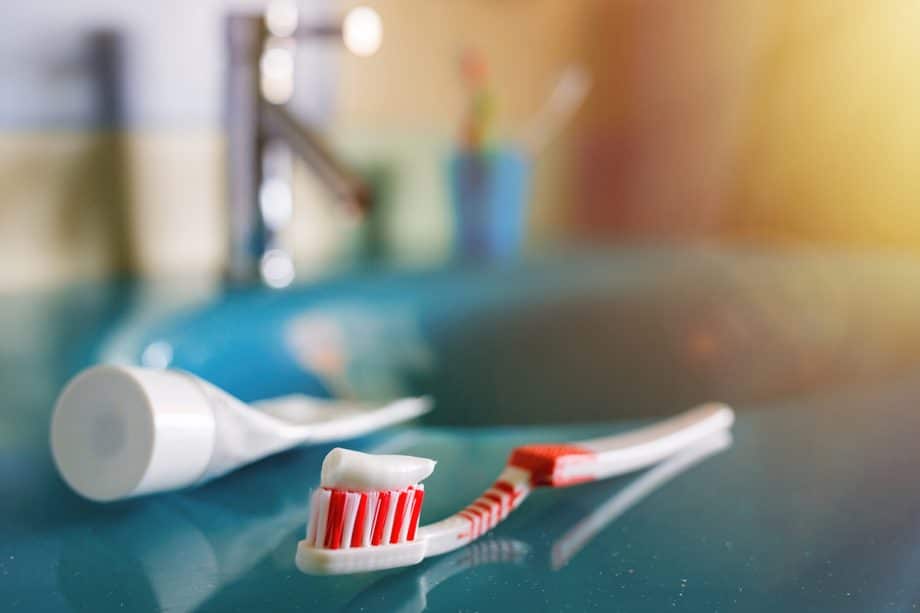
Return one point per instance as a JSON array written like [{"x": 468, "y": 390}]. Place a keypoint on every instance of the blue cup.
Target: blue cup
[{"x": 489, "y": 191}]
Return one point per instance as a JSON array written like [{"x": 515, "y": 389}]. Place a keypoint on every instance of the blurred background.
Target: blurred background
[{"x": 759, "y": 122}]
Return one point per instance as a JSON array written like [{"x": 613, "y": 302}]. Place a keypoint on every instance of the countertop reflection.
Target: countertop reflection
[{"x": 813, "y": 506}]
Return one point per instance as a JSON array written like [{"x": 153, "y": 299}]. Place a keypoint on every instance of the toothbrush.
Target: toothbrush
[
  {"x": 480, "y": 111},
  {"x": 365, "y": 515},
  {"x": 567, "y": 96}
]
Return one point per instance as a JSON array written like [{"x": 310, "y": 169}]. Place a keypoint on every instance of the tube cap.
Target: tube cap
[{"x": 120, "y": 431}]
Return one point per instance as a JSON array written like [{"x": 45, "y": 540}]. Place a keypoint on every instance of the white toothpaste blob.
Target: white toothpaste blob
[{"x": 364, "y": 472}]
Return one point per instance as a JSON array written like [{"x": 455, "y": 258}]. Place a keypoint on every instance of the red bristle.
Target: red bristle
[
  {"x": 383, "y": 505},
  {"x": 335, "y": 521},
  {"x": 416, "y": 511},
  {"x": 358, "y": 532},
  {"x": 398, "y": 519}
]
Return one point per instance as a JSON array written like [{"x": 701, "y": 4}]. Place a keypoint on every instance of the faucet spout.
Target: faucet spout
[
  {"x": 260, "y": 131},
  {"x": 277, "y": 122}
]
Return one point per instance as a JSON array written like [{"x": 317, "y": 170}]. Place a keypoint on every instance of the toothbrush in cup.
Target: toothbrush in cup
[{"x": 364, "y": 517}]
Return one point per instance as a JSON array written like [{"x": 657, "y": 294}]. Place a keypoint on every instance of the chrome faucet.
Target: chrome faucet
[{"x": 262, "y": 134}]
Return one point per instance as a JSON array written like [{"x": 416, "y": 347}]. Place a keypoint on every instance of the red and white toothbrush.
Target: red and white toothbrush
[{"x": 366, "y": 516}]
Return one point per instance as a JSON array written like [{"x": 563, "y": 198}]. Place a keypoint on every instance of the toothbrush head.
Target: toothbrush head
[{"x": 365, "y": 514}]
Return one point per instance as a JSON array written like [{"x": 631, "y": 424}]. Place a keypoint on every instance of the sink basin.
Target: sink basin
[
  {"x": 812, "y": 506},
  {"x": 579, "y": 338}
]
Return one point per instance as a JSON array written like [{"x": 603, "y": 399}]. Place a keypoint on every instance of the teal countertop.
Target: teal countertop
[{"x": 813, "y": 507}]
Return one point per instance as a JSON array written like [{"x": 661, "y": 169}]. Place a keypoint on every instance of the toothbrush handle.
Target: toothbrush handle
[{"x": 564, "y": 464}]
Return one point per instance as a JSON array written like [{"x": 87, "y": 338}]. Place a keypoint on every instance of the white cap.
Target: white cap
[{"x": 120, "y": 431}]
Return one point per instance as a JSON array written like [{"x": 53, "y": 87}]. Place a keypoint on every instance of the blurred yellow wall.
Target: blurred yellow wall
[
  {"x": 766, "y": 120},
  {"x": 832, "y": 145}
]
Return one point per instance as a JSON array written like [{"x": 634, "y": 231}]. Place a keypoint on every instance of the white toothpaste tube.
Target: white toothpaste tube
[{"x": 119, "y": 432}]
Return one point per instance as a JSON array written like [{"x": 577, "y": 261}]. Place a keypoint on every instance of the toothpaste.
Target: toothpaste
[{"x": 363, "y": 472}]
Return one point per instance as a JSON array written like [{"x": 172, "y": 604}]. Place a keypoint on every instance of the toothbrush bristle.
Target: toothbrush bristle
[{"x": 341, "y": 519}]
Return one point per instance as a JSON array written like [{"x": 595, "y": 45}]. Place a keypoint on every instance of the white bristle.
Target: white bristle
[
  {"x": 391, "y": 512},
  {"x": 351, "y": 511},
  {"x": 311, "y": 524},
  {"x": 369, "y": 518},
  {"x": 407, "y": 516},
  {"x": 322, "y": 511}
]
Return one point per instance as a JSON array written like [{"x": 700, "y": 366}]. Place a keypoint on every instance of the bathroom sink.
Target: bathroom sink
[
  {"x": 812, "y": 506},
  {"x": 585, "y": 337}
]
